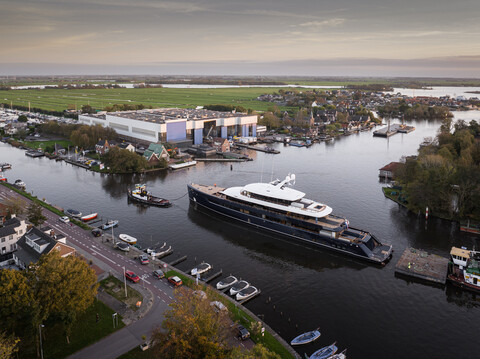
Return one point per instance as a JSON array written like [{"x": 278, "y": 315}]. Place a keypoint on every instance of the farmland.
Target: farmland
[{"x": 61, "y": 99}]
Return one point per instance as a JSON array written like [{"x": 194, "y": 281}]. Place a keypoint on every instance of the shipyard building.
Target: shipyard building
[{"x": 174, "y": 125}]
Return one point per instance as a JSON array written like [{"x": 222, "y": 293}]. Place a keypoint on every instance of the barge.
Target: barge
[{"x": 279, "y": 209}]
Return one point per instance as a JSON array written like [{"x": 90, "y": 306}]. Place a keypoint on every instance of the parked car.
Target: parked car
[
  {"x": 144, "y": 259},
  {"x": 64, "y": 219},
  {"x": 97, "y": 232},
  {"x": 243, "y": 333},
  {"x": 175, "y": 281},
  {"x": 131, "y": 276},
  {"x": 158, "y": 274},
  {"x": 218, "y": 306}
]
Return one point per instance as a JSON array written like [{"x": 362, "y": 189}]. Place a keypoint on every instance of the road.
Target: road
[{"x": 113, "y": 261}]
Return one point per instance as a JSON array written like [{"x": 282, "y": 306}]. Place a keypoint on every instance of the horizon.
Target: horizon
[{"x": 211, "y": 37}]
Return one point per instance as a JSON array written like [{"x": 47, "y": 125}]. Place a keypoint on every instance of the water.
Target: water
[
  {"x": 364, "y": 307},
  {"x": 439, "y": 91}
]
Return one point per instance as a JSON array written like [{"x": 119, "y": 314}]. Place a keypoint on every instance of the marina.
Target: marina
[{"x": 422, "y": 265}]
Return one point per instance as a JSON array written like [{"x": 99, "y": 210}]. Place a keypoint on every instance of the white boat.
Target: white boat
[
  {"x": 227, "y": 282},
  {"x": 239, "y": 286},
  {"x": 177, "y": 166},
  {"x": 341, "y": 355},
  {"x": 19, "y": 183},
  {"x": 73, "y": 213},
  {"x": 127, "y": 239},
  {"x": 247, "y": 293},
  {"x": 307, "y": 337},
  {"x": 89, "y": 217},
  {"x": 162, "y": 253},
  {"x": 123, "y": 246},
  {"x": 150, "y": 250},
  {"x": 201, "y": 268},
  {"x": 110, "y": 224}
]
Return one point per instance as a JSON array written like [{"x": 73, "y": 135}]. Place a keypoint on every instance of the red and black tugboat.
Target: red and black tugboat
[{"x": 140, "y": 194}]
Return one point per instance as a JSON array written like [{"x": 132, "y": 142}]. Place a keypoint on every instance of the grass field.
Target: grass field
[
  {"x": 59, "y": 100},
  {"x": 116, "y": 289}
]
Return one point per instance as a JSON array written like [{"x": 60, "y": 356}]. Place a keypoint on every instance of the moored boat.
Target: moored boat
[
  {"x": 19, "y": 183},
  {"x": 341, "y": 355},
  {"x": 324, "y": 353},
  {"x": 5, "y": 166},
  {"x": 307, "y": 337},
  {"x": 161, "y": 253},
  {"x": 127, "y": 239},
  {"x": 201, "y": 268},
  {"x": 277, "y": 208},
  {"x": 227, "y": 282},
  {"x": 465, "y": 270},
  {"x": 110, "y": 224},
  {"x": 247, "y": 293},
  {"x": 239, "y": 286},
  {"x": 73, "y": 213},
  {"x": 89, "y": 217},
  {"x": 140, "y": 194}
]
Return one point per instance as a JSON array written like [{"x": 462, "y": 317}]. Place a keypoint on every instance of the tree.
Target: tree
[
  {"x": 65, "y": 287},
  {"x": 35, "y": 214},
  {"x": 15, "y": 205},
  {"x": 194, "y": 330},
  {"x": 8, "y": 345},
  {"x": 22, "y": 118},
  {"x": 257, "y": 352},
  {"x": 87, "y": 109},
  {"x": 123, "y": 161}
]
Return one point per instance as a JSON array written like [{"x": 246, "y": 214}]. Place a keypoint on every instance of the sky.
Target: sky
[{"x": 437, "y": 38}]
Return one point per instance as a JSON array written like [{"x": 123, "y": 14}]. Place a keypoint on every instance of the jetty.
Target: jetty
[
  {"x": 257, "y": 148},
  {"x": 219, "y": 160},
  {"x": 422, "y": 265},
  {"x": 393, "y": 129}
]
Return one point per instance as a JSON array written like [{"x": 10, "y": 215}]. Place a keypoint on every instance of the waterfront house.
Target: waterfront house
[
  {"x": 221, "y": 144},
  {"x": 35, "y": 243},
  {"x": 11, "y": 231},
  {"x": 103, "y": 146},
  {"x": 388, "y": 171},
  {"x": 155, "y": 152},
  {"x": 127, "y": 146}
]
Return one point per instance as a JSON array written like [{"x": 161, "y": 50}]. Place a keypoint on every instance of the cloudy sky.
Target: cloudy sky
[{"x": 258, "y": 37}]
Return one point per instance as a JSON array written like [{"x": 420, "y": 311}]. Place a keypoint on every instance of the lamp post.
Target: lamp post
[
  {"x": 40, "y": 333},
  {"x": 125, "y": 282}
]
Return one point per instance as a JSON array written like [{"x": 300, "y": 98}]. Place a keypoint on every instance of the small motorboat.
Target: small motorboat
[
  {"x": 324, "y": 353},
  {"x": 227, "y": 282},
  {"x": 239, "y": 286},
  {"x": 247, "y": 293},
  {"x": 123, "y": 246},
  {"x": 201, "y": 268},
  {"x": 5, "y": 166},
  {"x": 342, "y": 355},
  {"x": 19, "y": 183},
  {"x": 110, "y": 224},
  {"x": 164, "y": 252},
  {"x": 73, "y": 213},
  {"x": 89, "y": 217},
  {"x": 127, "y": 239},
  {"x": 307, "y": 337},
  {"x": 151, "y": 250}
]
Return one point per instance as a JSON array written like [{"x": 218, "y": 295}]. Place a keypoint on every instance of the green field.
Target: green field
[{"x": 59, "y": 100}]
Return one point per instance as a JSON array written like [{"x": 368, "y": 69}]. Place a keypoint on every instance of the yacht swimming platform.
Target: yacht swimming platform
[{"x": 422, "y": 265}]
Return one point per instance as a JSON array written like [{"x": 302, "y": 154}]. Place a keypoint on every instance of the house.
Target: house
[
  {"x": 103, "y": 146},
  {"x": 11, "y": 231},
  {"x": 221, "y": 144},
  {"x": 35, "y": 243},
  {"x": 155, "y": 152},
  {"x": 388, "y": 171},
  {"x": 126, "y": 146}
]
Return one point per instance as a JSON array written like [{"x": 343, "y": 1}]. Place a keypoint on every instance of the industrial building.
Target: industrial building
[{"x": 174, "y": 124}]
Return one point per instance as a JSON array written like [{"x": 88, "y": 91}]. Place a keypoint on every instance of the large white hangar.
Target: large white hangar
[{"x": 174, "y": 124}]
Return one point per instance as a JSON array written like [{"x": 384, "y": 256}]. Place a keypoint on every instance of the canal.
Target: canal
[{"x": 365, "y": 308}]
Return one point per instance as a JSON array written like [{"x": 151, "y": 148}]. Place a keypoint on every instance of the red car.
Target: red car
[
  {"x": 175, "y": 281},
  {"x": 131, "y": 276}
]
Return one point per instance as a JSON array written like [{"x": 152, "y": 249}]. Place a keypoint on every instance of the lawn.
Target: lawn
[
  {"x": 116, "y": 289},
  {"x": 61, "y": 99},
  {"x": 45, "y": 144},
  {"x": 136, "y": 353},
  {"x": 85, "y": 332}
]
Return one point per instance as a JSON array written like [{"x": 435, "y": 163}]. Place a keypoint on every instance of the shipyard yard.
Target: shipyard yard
[{"x": 301, "y": 288}]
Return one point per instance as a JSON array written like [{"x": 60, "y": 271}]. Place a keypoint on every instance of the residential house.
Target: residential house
[
  {"x": 35, "y": 243},
  {"x": 221, "y": 144},
  {"x": 388, "y": 171},
  {"x": 126, "y": 146},
  {"x": 10, "y": 233},
  {"x": 103, "y": 146},
  {"x": 155, "y": 152}
]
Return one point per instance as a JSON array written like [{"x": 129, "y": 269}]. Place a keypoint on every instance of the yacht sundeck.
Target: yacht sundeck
[{"x": 278, "y": 208}]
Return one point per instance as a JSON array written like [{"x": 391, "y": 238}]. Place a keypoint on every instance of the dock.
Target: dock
[
  {"x": 176, "y": 261},
  {"x": 256, "y": 148},
  {"x": 253, "y": 296},
  {"x": 393, "y": 129},
  {"x": 219, "y": 160},
  {"x": 212, "y": 277},
  {"x": 422, "y": 265}
]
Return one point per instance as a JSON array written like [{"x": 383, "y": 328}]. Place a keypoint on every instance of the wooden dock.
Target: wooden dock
[
  {"x": 420, "y": 264},
  {"x": 393, "y": 129},
  {"x": 219, "y": 160},
  {"x": 256, "y": 148}
]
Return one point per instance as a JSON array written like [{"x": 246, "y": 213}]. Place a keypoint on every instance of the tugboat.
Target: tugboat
[
  {"x": 277, "y": 208},
  {"x": 465, "y": 270},
  {"x": 140, "y": 194}
]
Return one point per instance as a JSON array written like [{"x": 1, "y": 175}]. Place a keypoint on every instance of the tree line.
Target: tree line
[{"x": 445, "y": 176}]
